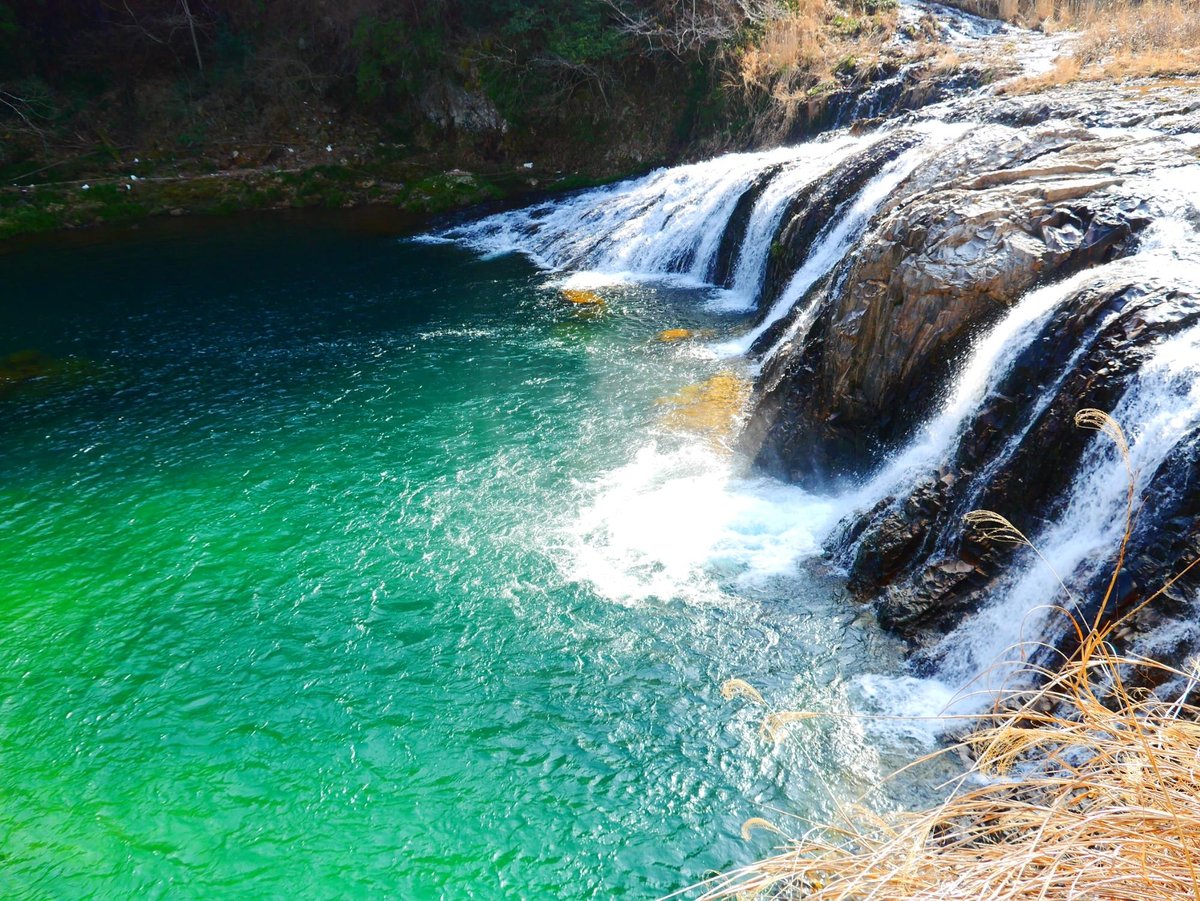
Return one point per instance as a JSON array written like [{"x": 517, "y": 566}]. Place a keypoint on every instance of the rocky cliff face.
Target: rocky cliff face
[
  {"x": 928, "y": 301},
  {"x": 1041, "y": 189}
]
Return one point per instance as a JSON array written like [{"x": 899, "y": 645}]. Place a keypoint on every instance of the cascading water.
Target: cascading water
[
  {"x": 765, "y": 219},
  {"x": 1160, "y": 409},
  {"x": 991, "y": 357},
  {"x": 669, "y": 226},
  {"x": 833, "y": 243}
]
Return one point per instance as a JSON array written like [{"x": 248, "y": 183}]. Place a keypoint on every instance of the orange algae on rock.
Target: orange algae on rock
[
  {"x": 676, "y": 334},
  {"x": 582, "y": 298},
  {"x": 711, "y": 408}
]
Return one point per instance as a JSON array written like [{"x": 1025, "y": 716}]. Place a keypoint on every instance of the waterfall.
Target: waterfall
[
  {"x": 715, "y": 225},
  {"x": 1160, "y": 409},
  {"x": 667, "y": 225},
  {"x": 767, "y": 216},
  {"x": 835, "y": 241},
  {"x": 989, "y": 360}
]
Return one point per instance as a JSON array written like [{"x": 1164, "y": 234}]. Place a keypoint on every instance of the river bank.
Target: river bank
[{"x": 107, "y": 118}]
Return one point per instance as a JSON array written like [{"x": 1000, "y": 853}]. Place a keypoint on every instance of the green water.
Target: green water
[{"x": 320, "y": 578}]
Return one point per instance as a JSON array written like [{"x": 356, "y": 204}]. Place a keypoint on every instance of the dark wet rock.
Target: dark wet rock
[
  {"x": 31, "y": 371},
  {"x": 735, "y": 230},
  {"x": 962, "y": 240},
  {"x": 896, "y": 88},
  {"x": 1002, "y": 212},
  {"x": 1019, "y": 457},
  {"x": 1175, "y": 108}
]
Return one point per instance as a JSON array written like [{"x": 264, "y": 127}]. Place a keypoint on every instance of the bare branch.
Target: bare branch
[
  {"x": 22, "y": 108},
  {"x": 191, "y": 21},
  {"x": 682, "y": 27}
]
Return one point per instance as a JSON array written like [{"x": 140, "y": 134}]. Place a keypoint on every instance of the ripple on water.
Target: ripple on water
[{"x": 403, "y": 590}]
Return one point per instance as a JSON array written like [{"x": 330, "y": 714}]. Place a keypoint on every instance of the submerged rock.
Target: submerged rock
[
  {"x": 582, "y": 298},
  {"x": 26, "y": 370},
  {"x": 711, "y": 408}
]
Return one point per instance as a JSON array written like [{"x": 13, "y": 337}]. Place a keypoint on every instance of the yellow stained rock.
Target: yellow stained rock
[
  {"x": 711, "y": 408},
  {"x": 676, "y": 334},
  {"x": 582, "y": 298},
  {"x": 28, "y": 368}
]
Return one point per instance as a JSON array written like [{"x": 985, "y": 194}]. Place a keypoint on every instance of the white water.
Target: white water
[
  {"x": 664, "y": 226},
  {"x": 766, "y": 218},
  {"x": 678, "y": 522},
  {"x": 1160, "y": 408},
  {"x": 989, "y": 360},
  {"x": 848, "y": 226},
  {"x": 681, "y": 523}
]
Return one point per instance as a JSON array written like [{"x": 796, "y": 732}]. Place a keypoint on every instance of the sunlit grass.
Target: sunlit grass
[
  {"x": 1117, "y": 39},
  {"x": 1081, "y": 786}
]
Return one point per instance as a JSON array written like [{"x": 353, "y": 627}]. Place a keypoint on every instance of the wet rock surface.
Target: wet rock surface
[
  {"x": 964, "y": 239},
  {"x": 1037, "y": 192}
]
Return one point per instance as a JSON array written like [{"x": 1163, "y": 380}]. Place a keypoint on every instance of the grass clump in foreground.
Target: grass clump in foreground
[{"x": 1082, "y": 788}]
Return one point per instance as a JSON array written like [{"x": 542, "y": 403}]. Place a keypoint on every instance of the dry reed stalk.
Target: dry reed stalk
[{"x": 1081, "y": 789}]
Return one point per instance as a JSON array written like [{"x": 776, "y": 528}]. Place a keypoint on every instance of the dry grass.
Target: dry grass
[
  {"x": 1066, "y": 69},
  {"x": 792, "y": 41},
  {"x": 1083, "y": 788},
  {"x": 1117, "y": 38},
  {"x": 1122, "y": 38},
  {"x": 806, "y": 50}
]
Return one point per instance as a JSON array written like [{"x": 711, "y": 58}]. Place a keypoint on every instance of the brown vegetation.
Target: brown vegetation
[
  {"x": 1086, "y": 787},
  {"x": 1117, "y": 38},
  {"x": 1124, "y": 39},
  {"x": 810, "y": 49}
]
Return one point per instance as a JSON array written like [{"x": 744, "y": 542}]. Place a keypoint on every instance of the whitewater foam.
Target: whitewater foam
[{"x": 679, "y": 523}]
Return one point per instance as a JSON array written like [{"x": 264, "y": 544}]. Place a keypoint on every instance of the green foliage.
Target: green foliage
[
  {"x": 587, "y": 36},
  {"x": 395, "y": 59},
  {"x": 194, "y": 137},
  {"x": 13, "y": 42},
  {"x": 706, "y": 105},
  {"x": 27, "y": 220},
  {"x": 848, "y": 26},
  {"x": 874, "y": 7},
  {"x": 232, "y": 50}
]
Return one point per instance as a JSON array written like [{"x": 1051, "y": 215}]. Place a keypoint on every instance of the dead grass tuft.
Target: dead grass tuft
[
  {"x": 1118, "y": 39},
  {"x": 1084, "y": 788}
]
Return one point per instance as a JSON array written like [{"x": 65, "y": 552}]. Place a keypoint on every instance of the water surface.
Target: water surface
[{"x": 340, "y": 566}]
